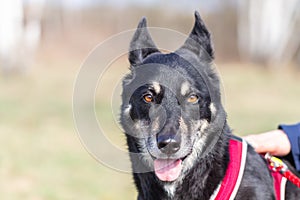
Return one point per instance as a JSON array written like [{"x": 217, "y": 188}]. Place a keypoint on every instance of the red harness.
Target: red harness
[
  {"x": 279, "y": 183},
  {"x": 281, "y": 173},
  {"x": 228, "y": 188}
]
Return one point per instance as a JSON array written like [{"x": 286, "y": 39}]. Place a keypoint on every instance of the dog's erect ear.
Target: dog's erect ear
[
  {"x": 199, "y": 41},
  {"x": 141, "y": 44}
]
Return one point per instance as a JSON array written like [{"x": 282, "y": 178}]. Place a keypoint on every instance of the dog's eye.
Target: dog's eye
[
  {"x": 148, "y": 98},
  {"x": 193, "y": 98}
]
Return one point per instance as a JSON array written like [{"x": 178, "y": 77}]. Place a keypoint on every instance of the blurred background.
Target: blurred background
[{"x": 43, "y": 44}]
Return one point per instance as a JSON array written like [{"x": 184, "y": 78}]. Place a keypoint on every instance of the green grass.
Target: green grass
[
  {"x": 258, "y": 100},
  {"x": 41, "y": 156}
]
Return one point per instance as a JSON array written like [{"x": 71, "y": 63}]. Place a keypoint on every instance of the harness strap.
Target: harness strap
[
  {"x": 281, "y": 174},
  {"x": 279, "y": 185},
  {"x": 229, "y": 186}
]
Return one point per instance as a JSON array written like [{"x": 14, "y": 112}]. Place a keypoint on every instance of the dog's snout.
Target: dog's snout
[{"x": 168, "y": 144}]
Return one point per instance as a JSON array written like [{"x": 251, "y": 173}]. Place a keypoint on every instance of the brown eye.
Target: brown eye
[
  {"x": 148, "y": 98},
  {"x": 192, "y": 98}
]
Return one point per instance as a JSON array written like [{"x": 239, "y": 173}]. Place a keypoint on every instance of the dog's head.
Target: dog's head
[{"x": 171, "y": 109}]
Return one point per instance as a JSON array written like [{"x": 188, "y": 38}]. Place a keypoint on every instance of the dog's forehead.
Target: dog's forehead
[
  {"x": 162, "y": 76},
  {"x": 168, "y": 70},
  {"x": 169, "y": 59}
]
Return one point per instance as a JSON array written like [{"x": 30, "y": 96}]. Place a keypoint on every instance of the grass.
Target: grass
[
  {"x": 258, "y": 100},
  {"x": 41, "y": 156}
]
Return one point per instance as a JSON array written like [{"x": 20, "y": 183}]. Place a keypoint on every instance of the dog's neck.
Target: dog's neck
[{"x": 199, "y": 182}]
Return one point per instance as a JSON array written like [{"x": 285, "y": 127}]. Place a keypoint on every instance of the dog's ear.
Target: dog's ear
[
  {"x": 199, "y": 41},
  {"x": 141, "y": 44}
]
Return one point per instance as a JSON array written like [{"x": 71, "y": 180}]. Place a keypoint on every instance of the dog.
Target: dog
[{"x": 176, "y": 127}]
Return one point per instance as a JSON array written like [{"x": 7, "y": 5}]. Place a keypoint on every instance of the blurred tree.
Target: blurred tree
[
  {"x": 267, "y": 30},
  {"x": 11, "y": 29},
  {"x": 20, "y": 32}
]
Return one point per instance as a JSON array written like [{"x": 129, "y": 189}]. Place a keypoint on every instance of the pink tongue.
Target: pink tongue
[{"x": 167, "y": 170}]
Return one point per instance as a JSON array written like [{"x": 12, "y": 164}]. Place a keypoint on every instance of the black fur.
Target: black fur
[{"x": 170, "y": 80}]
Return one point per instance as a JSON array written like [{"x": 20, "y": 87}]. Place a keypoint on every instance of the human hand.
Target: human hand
[{"x": 275, "y": 142}]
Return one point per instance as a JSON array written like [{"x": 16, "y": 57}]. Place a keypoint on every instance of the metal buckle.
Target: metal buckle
[{"x": 275, "y": 163}]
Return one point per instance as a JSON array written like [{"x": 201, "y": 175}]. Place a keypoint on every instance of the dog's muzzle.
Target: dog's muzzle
[{"x": 168, "y": 143}]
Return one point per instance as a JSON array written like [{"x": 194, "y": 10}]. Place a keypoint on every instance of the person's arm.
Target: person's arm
[
  {"x": 282, "y": 142},
  {"x": 293, "y": 134},
  {"x": 275, "y": 142}
]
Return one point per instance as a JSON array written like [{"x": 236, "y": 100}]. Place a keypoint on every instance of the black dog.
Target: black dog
[{"x": 176, "y": 127}]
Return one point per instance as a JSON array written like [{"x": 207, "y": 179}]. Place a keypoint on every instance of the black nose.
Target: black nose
[{"x": 167, "y": 144}]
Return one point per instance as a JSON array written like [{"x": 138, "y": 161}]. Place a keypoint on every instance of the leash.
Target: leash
[{"x": 277, "y": 165}]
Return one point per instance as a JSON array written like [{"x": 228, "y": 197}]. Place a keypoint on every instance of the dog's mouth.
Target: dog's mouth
[{"x": 167, "y": 169}]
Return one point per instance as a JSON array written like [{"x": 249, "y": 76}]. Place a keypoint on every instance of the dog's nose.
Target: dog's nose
[{"x": 167, "y": 144}]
